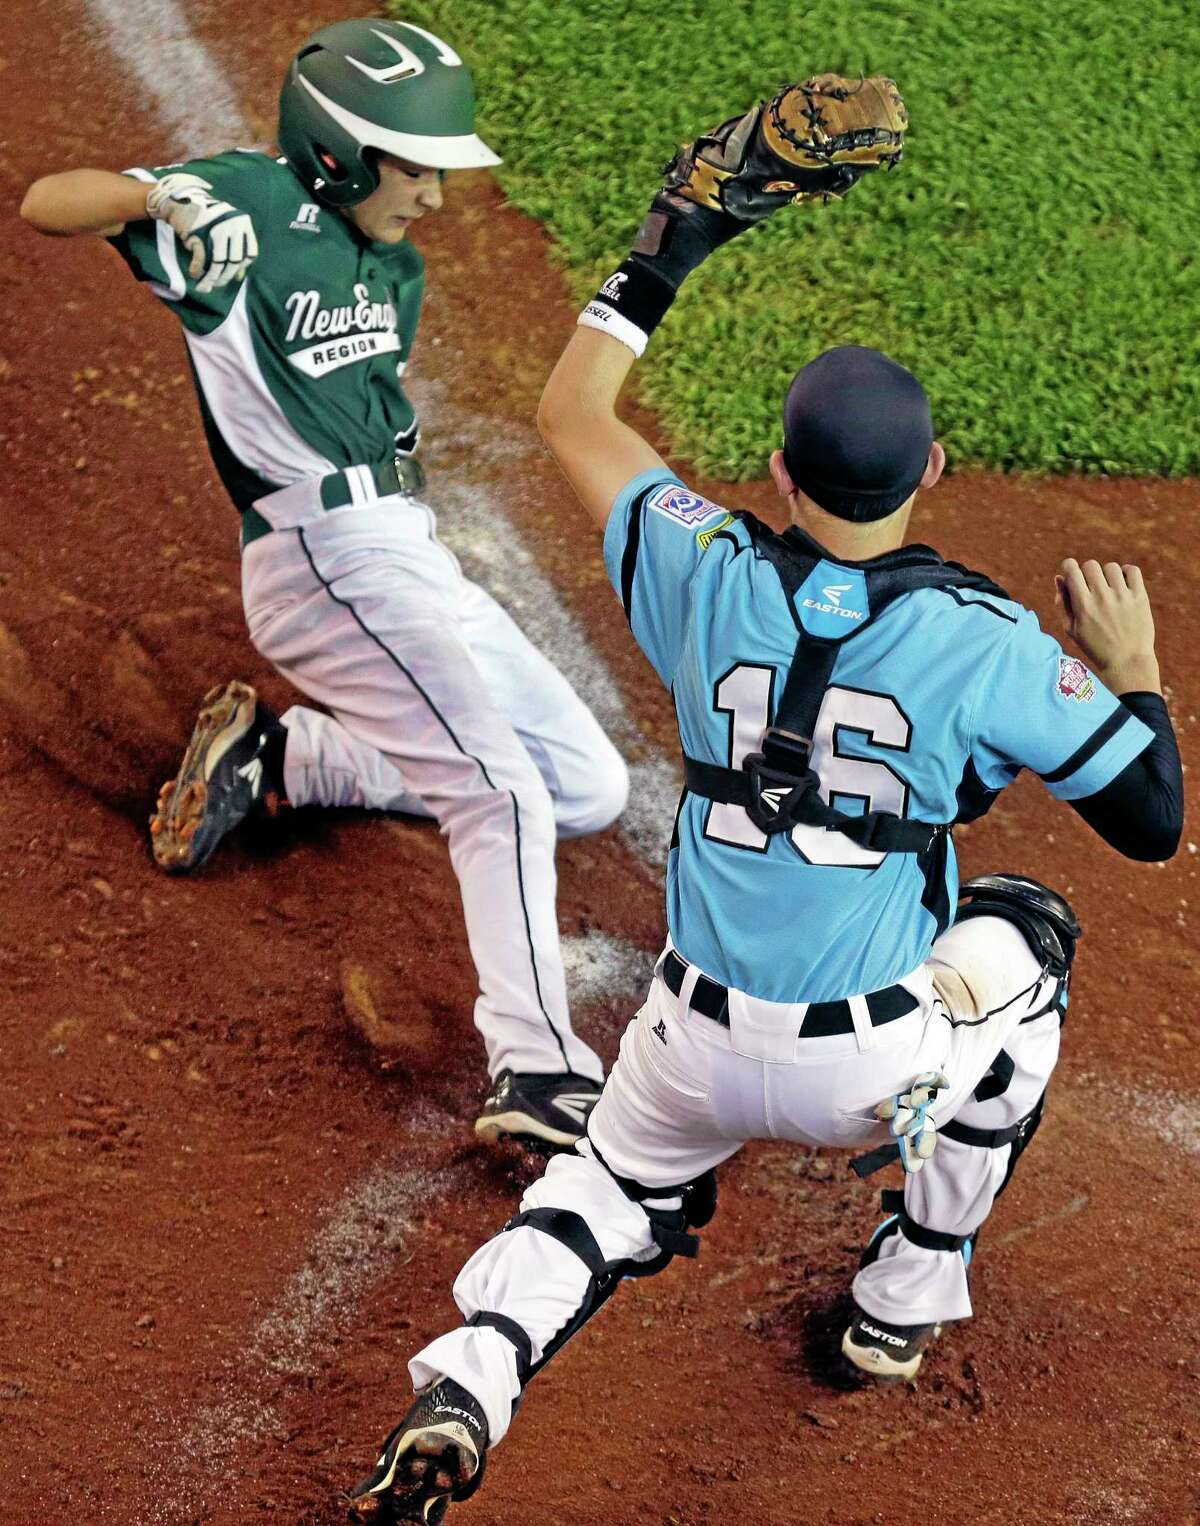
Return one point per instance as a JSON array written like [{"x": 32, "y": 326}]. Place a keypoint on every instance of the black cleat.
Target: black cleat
[
  {"x": 231, "y": 767},
  {"x": 890, "y": 1352},
  {"x": 436, "y": 1454},
  {"x": 539, "y": 1111}
]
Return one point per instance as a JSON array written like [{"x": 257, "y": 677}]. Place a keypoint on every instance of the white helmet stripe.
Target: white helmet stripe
[
  {"x": 466, "y": 151},
  {"x": 444, "y": 51}
]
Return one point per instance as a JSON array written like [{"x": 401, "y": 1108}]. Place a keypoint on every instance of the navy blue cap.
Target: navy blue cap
[{"x": 857, "y": 432}]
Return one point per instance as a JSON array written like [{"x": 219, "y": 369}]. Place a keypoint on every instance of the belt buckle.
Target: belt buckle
[
  {"x": 410, "y": 475},
  {"x": 781, "y": 776}
]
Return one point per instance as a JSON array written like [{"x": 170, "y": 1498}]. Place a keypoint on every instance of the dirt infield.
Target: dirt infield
[{"x": 236, "y": 1178}]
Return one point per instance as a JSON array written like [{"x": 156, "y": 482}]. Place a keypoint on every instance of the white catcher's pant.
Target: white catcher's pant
[
  {"x": 681, "y": 1099},
  {"x": 440, "y": 707}
]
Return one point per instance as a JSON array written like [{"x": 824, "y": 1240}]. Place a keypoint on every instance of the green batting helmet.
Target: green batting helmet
[{"x": 362, "y": 85}]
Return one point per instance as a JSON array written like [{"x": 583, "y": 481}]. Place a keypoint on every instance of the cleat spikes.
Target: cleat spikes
[
  {"x": 435, "y": 1455},
  {"x": 224, "y": 771}
]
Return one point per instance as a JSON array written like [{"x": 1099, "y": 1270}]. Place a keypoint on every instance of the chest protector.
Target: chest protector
[{"x": 777, "y": 784}]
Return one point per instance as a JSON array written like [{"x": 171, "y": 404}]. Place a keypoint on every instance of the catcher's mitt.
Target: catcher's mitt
[{"x": 811, "y": 142}]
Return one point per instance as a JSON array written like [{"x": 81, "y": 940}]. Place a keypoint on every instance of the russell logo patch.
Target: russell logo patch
[
  {"x": 684, "y": 507},
  {"x": 1074, "y": 681}
]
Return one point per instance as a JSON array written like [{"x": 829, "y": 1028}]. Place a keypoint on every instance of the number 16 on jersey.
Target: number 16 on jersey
[{"x": 745, "y": 695}]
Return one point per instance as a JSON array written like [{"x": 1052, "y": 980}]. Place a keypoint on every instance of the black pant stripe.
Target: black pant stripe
[{"x": 449, "y": 730}]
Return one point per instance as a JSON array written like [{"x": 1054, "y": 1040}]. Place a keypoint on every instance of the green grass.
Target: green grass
[{"x": 1032, "y": 260}]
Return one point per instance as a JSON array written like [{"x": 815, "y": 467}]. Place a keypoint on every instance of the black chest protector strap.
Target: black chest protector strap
[{"x": 777, "y": 785}]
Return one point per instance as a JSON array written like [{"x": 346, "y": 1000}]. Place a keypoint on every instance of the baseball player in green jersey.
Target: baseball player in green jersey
[{"x": 299, "y": 297}]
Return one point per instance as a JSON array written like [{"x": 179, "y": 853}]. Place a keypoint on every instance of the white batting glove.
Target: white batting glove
[
  {"x": 907, "y": 1113},
  {"x": 220, "y": 240}
]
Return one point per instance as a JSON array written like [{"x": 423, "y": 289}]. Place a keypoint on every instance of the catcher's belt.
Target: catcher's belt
[{"x": 821, "y": 1020}]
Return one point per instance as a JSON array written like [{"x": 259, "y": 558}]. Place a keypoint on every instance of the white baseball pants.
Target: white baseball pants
[
  {"x": 685, "y": 1094},
  {"x": 440, "y": 707}
]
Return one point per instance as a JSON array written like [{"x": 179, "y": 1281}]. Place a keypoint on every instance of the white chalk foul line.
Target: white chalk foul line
[
  {"x": 1171, "y": 1116},
  {"x": 600, "y": 968},
  {"x": 355, "y": 1247},
  {"x": 184, "y": 87}
]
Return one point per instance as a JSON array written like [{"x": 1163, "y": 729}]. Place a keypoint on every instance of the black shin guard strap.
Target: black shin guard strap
[
  {"x": 983, "y": 1139},
  {"x": 513, "y": 1332},
  {"x": 568, "y": 1229},
  {"x": 927, "y": 1239}
]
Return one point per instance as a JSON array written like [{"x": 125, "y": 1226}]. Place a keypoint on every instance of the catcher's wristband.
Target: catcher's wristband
[{"x": 630, "y": 305}]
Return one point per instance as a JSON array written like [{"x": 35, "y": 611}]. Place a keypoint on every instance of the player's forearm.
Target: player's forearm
[
  {"x": 84, "y": 201},
  {"x": 584, "y": 385},
  {"x": 597, "y": 452}
]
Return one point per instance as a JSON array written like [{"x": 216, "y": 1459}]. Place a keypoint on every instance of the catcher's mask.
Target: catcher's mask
[
  {"x": 359, "y": 87},
  {"x": 857, "y": 433}
]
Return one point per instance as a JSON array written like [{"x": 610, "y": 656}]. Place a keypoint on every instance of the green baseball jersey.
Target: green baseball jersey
[{"x": 297, "y": 367}]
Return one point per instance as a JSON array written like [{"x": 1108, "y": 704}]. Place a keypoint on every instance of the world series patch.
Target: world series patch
[
  {"x": 1074, "y": 681},
  {"x": 681, "y": 505}
]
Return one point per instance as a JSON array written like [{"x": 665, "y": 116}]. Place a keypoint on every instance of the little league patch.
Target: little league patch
[{"x": 685, "y": 507}]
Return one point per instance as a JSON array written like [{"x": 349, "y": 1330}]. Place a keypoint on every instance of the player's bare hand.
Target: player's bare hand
[
  {"x": 1106, "y": 612},
  {"x": 219, "y": 240}
]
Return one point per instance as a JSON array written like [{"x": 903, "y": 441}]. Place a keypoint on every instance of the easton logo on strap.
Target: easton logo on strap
[
  {"x": 882, "y": 1335},
  {"x": 832, "y": 601}
]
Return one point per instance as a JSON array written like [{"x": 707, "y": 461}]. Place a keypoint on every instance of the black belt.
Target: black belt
[
  {"x": 402, "y": 474},
  {"x": 822, "y": 1020}
]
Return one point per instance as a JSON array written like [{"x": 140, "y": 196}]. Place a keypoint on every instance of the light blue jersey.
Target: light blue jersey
[{"x": 936, "y": 699}]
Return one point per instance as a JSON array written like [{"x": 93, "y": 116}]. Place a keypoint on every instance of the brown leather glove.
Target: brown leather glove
[{"x": 811, "y": 142}]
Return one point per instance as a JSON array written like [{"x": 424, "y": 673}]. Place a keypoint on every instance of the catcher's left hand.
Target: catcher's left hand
[{"x": 811, "y": 142}]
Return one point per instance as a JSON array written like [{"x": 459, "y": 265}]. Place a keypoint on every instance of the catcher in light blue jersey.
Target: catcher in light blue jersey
[
  {"x": 920, "y": 701},
  {"x": 843, "y": 699}
]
